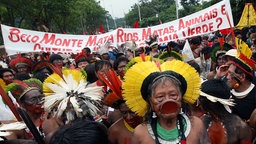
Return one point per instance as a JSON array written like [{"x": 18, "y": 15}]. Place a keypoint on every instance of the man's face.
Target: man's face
[
  {"x": 22, "y": 68},
  {"x": 121, "y": 67},
  {"x": 164, "y": 92},
  {"x": 8, "y": 77},
  {"x": 58, "y": 63},
  {"x": 232, "y": 76},
  {"x": 82, "y": 65},
  {"x": 33, "y": 101},
  {"x": 129, "y": 116}
]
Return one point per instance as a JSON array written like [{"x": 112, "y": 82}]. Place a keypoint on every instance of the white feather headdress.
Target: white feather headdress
[{"x": 68, "y": 98}]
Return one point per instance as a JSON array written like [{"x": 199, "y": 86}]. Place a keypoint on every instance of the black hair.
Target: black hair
[
  {"x": 22, "y": 77},
  {"x": 55, "y": 57},
  {"x": 120, "y": 59},
  {"x": 81, "y": 132},
  {"x": 81, "y": 60},
  {"x": 3, "y": 70},
  {"x": 195, "y": 40},
  {"x": 219, "y": 89},
  {"x": 41, "y": 76},
  {"x": 90, "y": 71},
  {"x": 101, "y": 63},
  {"x": 87, "y": 50},
  {"x": 196, "y": 66}
]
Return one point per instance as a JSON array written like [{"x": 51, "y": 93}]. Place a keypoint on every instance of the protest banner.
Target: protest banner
[{"x": 202, "y": 22}]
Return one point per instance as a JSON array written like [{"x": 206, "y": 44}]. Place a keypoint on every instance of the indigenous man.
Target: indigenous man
[
  {"x": 29, "y": 96},
  {"x": 222, "y": 126},
  {"x": 121, "y": 131},
  {"x": 156, "y": 92},
  {"x": 21, "y": 65}
]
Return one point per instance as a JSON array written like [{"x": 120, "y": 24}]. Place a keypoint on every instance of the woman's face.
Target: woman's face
[{"x": 166, "y": 100}]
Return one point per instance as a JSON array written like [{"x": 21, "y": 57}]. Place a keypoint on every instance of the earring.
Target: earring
[
  {"x": 154, "y": 115},
  {"x": 236, "y": 85}
]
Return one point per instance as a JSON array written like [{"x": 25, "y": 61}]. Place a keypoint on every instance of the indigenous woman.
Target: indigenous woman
[{"x": 156, "y": 92}]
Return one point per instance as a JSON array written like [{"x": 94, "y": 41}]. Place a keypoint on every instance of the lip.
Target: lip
[{"x": 168, "y": 107}]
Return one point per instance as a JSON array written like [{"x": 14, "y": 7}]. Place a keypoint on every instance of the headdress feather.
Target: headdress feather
[
  {"x": 135, "y": 76},
  {"x": 114, "y": 83},
  {"x": 65, "y": 95}
]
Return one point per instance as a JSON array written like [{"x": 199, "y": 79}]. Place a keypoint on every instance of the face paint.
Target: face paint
[{"x": 134, "y": 121}]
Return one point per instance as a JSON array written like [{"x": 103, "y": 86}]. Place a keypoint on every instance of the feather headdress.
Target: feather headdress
[
  {"x": 41, "y": 65},
  {"x": 141, "y": 58},
  {"x": 131, "y": 45},
  {"x": 20, "y": 60},
  {"x": 19, "y": 88},
  {"x": 243, "y": 59},
  {"x": 114, "y": 83},
  {"x": 152, "y": 40},
  {"x": 80, "y": 56},
  {"x": 135, "y": 76},
  {"x": 67, "y": 97},
  {"x": 219, "y": 48}
]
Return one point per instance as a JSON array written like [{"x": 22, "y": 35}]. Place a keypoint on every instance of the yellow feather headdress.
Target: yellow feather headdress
[
  {"x": 135, "y": 76},
  {"x": 243, "y": 59},
  {"x": 68, "y": 96}
]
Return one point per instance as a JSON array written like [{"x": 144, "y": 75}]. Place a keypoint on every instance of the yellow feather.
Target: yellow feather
[
  {"x": 54, "y": 79},
  {"x": 135, "y": 76},
  {"x": 132, "y": 84},
  {"x": 191, "y": 76},
  {"x": 243, "y": 48}
]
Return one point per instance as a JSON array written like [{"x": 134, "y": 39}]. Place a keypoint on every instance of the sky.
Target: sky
[{"x": 117, "y": 8}]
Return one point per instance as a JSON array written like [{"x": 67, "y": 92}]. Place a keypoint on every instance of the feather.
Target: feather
[
  {"x": 112, "y": 81},
  {"x": 75, "y": 104},
  {"x": 62, "y": 106},
  {"x": 64, "y": 91},
  {"x": 13, "y": 126},
  {"x": 16, "y": 104},
  {"x": 217, "y": 133},
  {"x": 4, "y": 134}
]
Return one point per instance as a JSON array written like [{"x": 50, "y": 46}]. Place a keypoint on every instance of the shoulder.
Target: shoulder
[
  {"x": 141, "y": 135},
  {"x": 141, "y": 129},
  {"x": 196, "y": 122},
  {"x": 116, "y": 126},
  {"x": 198, "y": 133}
]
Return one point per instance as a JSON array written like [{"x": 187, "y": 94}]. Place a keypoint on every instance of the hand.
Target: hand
[{"x": 222, "y": 71}]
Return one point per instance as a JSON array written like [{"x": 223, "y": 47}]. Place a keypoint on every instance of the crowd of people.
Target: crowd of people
[{"x": 135, "y": 94}]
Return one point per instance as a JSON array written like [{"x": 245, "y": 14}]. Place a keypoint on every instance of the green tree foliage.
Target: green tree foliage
[
  {"x": 166, "y": 10},
  {"x": 59, "y": 16}
]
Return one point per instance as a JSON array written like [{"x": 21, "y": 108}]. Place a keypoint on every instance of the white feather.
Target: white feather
[
  {"x": 75, "y": 104},
  {"x": 55, "y": 88},
  {"x": 13, "y": 126},
  {"x": 62, "y": 107},
  {"x": 4, "y": 134},
  {"x": 70, "y": 116},
  {"x": 50, "y": 100},
  {"x": 92, "y": 92},
  {"x": 13, "y": 99},
  {"x": 81, "y": 86}
]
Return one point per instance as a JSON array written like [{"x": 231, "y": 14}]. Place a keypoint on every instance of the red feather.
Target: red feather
[
  {"x": 221, "y": 41},
  {"x": 217, "y": 133},
  {"x": 112, "y": 81},
  {"x": 143, "y": 57}
]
